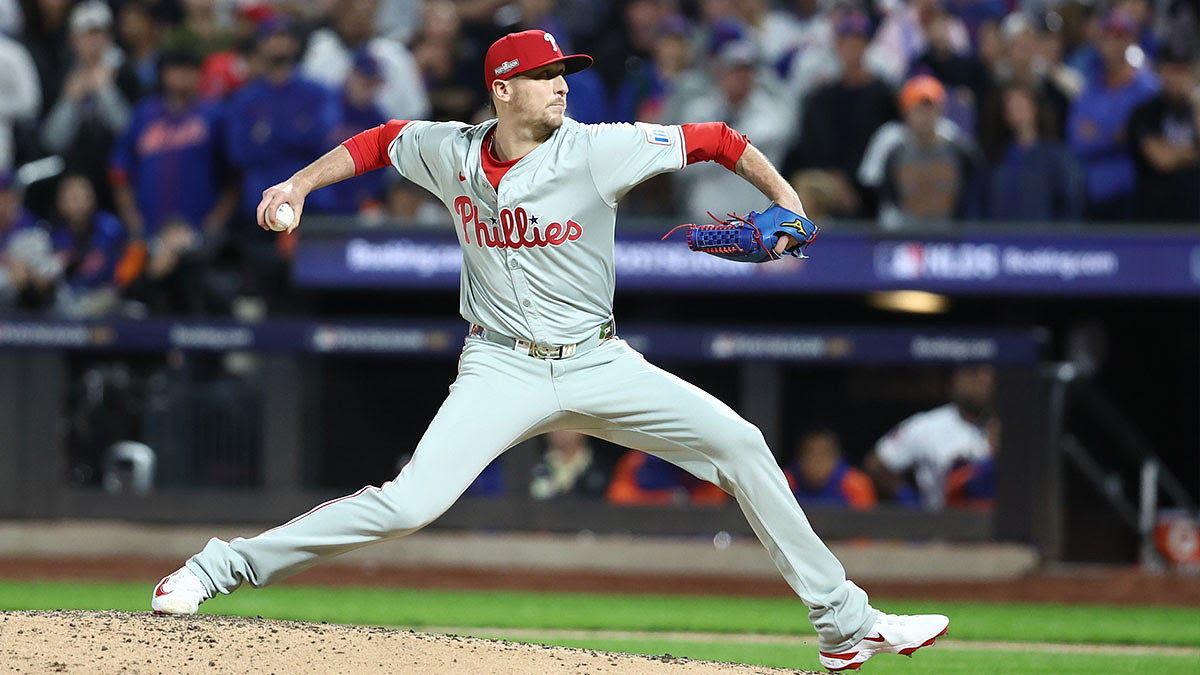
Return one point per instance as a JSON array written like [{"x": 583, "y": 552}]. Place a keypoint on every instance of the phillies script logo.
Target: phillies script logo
[{"x": 515, "y": 229}]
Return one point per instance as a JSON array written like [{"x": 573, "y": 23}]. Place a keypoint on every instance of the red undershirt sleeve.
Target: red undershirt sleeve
[
  {"x": 369, "y": 148},
  {"x": 713, "y": 142}
]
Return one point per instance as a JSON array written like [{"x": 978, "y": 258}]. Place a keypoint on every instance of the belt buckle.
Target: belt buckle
[{"x": 541, "y": 350}]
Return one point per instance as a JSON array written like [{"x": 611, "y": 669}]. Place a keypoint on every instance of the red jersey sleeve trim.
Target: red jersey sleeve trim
[
  {"x": 369, "y": 148},
  {"x": 713, "y": 142}
]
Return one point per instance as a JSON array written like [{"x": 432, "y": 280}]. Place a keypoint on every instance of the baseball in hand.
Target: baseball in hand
[{"x": 284, "y": 217}]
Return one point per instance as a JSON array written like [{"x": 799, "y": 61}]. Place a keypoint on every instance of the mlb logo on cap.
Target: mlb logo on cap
[{"x": 528, "y": 50}]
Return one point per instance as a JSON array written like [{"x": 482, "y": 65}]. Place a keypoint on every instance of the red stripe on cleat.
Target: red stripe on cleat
[{"x": 844, "y": 656}]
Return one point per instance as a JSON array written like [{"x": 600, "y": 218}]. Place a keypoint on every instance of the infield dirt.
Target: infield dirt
[{"x": 138, "y": 642}]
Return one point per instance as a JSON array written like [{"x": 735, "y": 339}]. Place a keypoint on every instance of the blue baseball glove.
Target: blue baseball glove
[{"x": 753, "y": 238}]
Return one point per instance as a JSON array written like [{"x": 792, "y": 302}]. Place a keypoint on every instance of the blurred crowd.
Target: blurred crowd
[
  {"x": 136, "y": 136},
  {"x": 939, "y": 458}
]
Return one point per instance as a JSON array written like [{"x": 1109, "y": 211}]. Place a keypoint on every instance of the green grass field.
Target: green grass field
[{"x": 771, "y": 632}]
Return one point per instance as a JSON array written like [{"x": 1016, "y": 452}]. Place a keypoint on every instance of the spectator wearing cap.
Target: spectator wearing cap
[
  {"x": 1036, "y": 178},
  {"x": 358, "y": 112},
  {"x": 963, "y": 74},
  {"x": 745, "y": 100},
  {"x": 31, "y": 274},
  {"x": 629, "y": 42},
  {"x": 931, "y": 444},
  {"x": 48, "y": 40},
  {"x": 1097, "y": 126},
  {"x": 1165, "y": 138},
  {"x": 840, "y": 118},
  {"x": 88, "y": 242},
  {"x": 95, "y": 104},
  {"x": 644, "y": 92},
  {"x": 904, "y": 34},
  {"x": 820, "y": 476},
  {"x": 926, "y": 170},
  {"x": 141, "y": 29},
  {"x": 169, "y": 163},
  {"x": 22, "y": 95},
  {"x": 774, "y": 31},
  {"x": 330, "y": 57},
  {"x": 277, "y": 122},
  {"x": 1021, "y": 63}
]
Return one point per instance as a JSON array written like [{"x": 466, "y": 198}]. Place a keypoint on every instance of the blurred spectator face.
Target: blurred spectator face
[
  {"x": 136, "y": 26},
  {"x": 535, "y": 9},
  {"x": 853, "y": 30},
  {"x": 206, "y": 8},
  {"x": 1020, "y": 111},
  {"x": 735, "y": 64},
  {"x": 404, "y": 201},
  {"x": 642, "y": 19},
  {"x": 673, "y": 47},
  {"x": 355, "y": 20},
  {"x": 54, "y": 11},
  {"x": 76, "y": 201},
  {"x": 361, "y": 88},
  {"x": 972, "y": 389},
  {"x": 90, "y": 23},
  {"x": 1020, "y": 41},
  {"x": 180, "y": 81},
  {"x": 922, "y": 99},
  {"x": 1177, "y": 81},
  {"x": 939, "y": 32},
  {"x": 817, "y": 457},
  {"x": 277, "y": 54},
  {"x": 1116, "y": 36},
  {"x": 922, "y": 119},
  {"x": 850, "y": 49},
  {"x": 1138, "y": 10},
  {"x": 672, "y": 54},
  {"x": 751, "y": 10},
  {"x": 991, "y": 45},
  {"x": 711, "y": 10},
  {"x": 736, "y": 82},
  {"x": 440, "y": 20}
]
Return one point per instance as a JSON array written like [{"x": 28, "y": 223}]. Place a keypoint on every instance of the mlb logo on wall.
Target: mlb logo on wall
[
  {"x": 657, "y": 135},
  {"x": 904, "y": 260}
]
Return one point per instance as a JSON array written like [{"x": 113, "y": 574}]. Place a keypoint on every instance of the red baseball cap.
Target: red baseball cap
[{"x": 522, "y": 52}]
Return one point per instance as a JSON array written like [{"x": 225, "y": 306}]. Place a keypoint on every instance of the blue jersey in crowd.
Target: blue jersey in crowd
[
  {"x": 274, "y": 131},
  {"x": 349, "y": 195},
  {"x": 1096, "y": 134},
  {"x": 1040, "y": 182},
  {"x": 90, "y": 258},
  {"x": 173, "y": 161}
]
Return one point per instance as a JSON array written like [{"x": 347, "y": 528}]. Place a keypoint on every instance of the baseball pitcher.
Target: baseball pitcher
[{"x": 533, "y": 195}]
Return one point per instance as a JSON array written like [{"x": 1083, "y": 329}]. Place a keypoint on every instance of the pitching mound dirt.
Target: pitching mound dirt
[{"x": 127, "y": 642}]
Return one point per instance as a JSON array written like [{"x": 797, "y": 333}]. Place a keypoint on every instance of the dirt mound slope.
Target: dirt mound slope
[{"x": 72, "y": 641}]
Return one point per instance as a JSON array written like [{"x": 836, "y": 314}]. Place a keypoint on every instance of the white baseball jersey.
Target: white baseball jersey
[
  {"x": 929, "y": 443},
  {"x": 538, "y": 264},
  {"x": 537, "y": 254}
]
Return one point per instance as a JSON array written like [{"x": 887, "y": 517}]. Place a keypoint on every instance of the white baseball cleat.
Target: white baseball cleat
[
  {"x": 891, "y": 634},
  {"x": 180, "y": 592}
]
